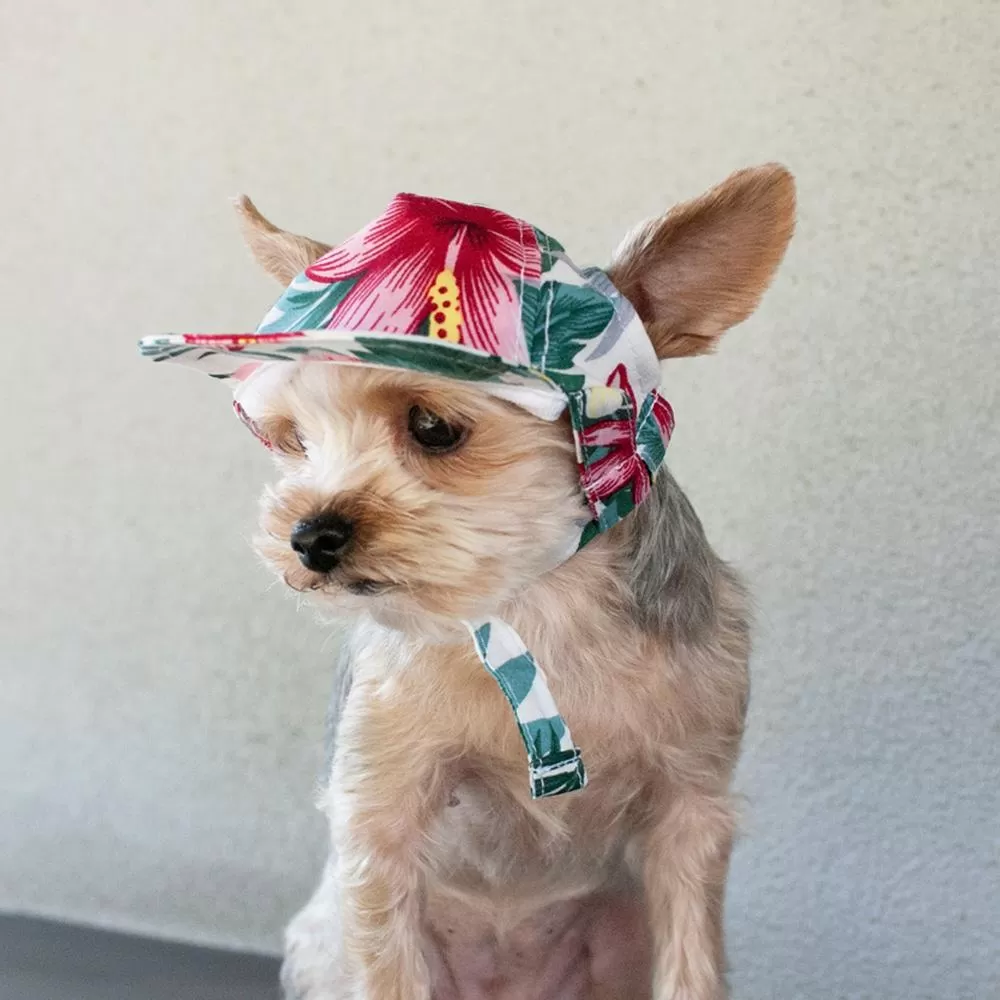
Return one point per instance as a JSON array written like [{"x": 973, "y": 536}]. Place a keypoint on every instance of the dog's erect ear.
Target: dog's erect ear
[
  {"x": 704, "y": 266},
  {"x": 283, "y": 255}
]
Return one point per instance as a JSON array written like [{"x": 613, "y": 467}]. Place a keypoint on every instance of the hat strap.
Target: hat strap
[{"x": 554, "y": 761}]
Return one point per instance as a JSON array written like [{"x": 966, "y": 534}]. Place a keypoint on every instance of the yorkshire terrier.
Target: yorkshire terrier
[{"x": 409, "y": 501}]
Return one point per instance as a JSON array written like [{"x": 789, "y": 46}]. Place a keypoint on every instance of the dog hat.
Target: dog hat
[{"x": 470, "y": 293}]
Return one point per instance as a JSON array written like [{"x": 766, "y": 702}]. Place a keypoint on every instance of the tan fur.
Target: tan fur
[
  {"x": 283, "y": 255},
  {"x": 435, "y": 546},
  {"x": 447, "y": 880},
  {"x": 704, "y": 267}
]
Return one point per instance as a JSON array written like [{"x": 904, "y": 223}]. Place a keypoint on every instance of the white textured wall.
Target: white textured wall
[{"x": 160, "y": 707}]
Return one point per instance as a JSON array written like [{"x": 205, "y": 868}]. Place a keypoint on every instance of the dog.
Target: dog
[{"x": 409, "y": 502}]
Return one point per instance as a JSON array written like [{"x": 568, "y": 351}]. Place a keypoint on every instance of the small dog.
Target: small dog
[{"x": 443, "y": 502}]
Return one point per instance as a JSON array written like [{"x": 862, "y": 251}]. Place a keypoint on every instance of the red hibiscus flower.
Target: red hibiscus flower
[
  {"x": 621, "y": 466},
  {"x": 397, "y": 259}
]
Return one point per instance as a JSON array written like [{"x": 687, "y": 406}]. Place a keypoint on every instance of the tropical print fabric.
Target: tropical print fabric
[
  {"x": 438, "y": 267},
  {"x": 470, "y": 293},
  {"x": 554, "y": 762}
]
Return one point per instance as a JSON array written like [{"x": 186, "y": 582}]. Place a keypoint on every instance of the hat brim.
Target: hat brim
[{"x": 237, "y": 356}]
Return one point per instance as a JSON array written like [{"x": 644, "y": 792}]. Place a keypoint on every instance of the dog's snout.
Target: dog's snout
[{"x": 320, "y": 541}]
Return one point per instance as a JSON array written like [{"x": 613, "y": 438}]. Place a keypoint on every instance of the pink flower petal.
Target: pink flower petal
[
  {"x": 245, "y": 371},
  {"x": 398, "y": 232},
  {"x": 608, "y": 433},
  {"x": 389, "y": 299},
  {"x": 491, "y": 312}
]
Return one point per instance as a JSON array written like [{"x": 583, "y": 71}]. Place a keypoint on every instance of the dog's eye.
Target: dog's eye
[{"x": 433, "y": 433}]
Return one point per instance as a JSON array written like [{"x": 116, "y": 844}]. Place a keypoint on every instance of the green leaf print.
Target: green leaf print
[
  {"x": 304, "y": 306},
  {"x": 516, "y": 677},
  {"x": 617, "y": 507},
  {"x": 417, "y": 354},
  {"x": 546, "y": 738},
  {"x": 559, "y": 321},
  {"x": 551, "y": 250},
  {"x": 589, "y": 533}
]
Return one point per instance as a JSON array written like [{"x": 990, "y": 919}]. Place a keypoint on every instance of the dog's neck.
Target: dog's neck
[{"x": 655, "y": 570}]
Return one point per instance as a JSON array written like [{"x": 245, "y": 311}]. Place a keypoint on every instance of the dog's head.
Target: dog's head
[
  {"x": 420, "y": 497},
  {"x": 412, "y": 494}
]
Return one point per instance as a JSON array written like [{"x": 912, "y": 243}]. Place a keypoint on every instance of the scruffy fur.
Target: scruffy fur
[{"x": 445, "y": 879}]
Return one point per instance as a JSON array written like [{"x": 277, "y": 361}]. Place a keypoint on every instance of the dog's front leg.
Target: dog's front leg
[
  {"x": 385, "y": 783},
  {"x": 314, "y": 967},
  {"x": 684, "y": 864}
]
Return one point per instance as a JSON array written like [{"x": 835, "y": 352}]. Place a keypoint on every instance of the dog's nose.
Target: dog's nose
[{"x": 320, "y": 541}]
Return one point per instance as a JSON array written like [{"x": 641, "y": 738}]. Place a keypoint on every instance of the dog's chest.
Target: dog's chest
[
  {"x": 484, "y": 841},
  {"x": 486, "y": 834},
  {"x": 516, "y": 908}
]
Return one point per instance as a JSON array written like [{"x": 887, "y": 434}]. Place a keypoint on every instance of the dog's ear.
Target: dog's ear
[
  {"x": 704, "y": 266},
  {"x": 283, "y": 255}
]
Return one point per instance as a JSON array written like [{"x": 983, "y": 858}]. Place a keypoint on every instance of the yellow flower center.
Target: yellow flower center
[{"x": 446, "y": 311}]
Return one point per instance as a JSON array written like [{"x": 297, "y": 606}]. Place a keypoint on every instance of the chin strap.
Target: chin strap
[{"x": 554, "y": 762}]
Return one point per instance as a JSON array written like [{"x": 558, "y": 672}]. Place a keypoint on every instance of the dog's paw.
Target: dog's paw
[
  {"x": 296, "y": 986},
  {"x": 302, "y": 978},
  {"x": 313, "y": 967}
]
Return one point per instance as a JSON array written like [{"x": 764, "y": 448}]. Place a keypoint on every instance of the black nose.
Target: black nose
[{"x": 320, "y": 541}]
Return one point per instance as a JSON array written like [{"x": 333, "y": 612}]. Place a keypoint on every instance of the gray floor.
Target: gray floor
[{"x": 40, "y": 960}]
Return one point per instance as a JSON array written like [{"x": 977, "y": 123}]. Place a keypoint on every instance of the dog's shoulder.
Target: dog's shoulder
[{"x": 680, "y": 587}]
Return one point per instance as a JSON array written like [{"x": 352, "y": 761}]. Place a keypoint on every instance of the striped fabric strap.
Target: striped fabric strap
[{"x": 555, "y": 763}]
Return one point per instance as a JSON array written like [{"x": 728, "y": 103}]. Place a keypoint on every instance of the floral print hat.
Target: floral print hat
[{"x": 470, "y": 293}]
